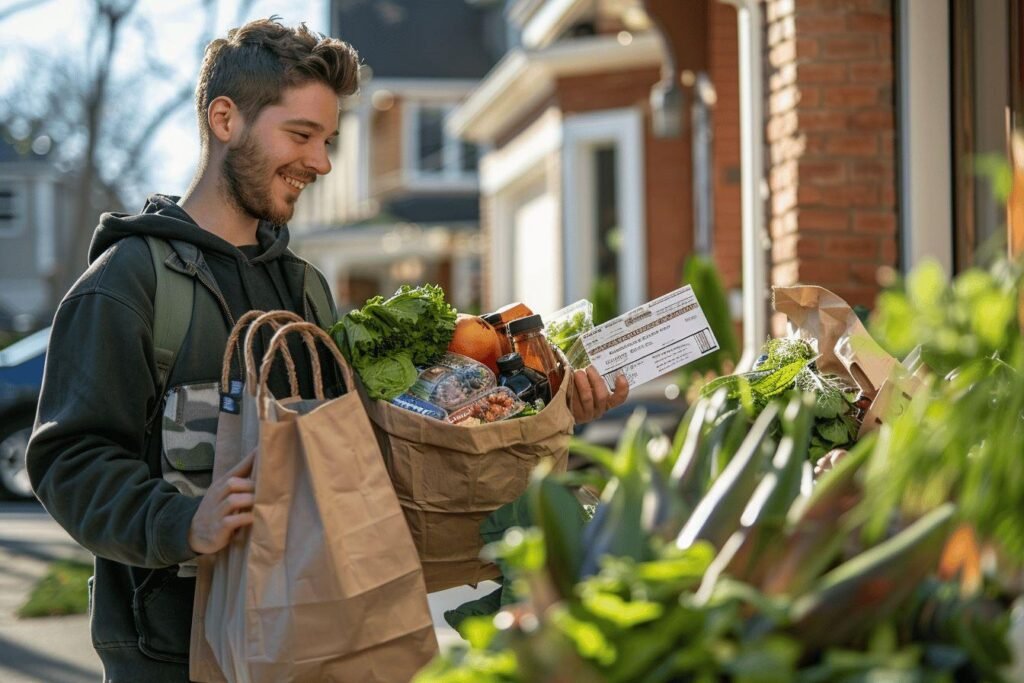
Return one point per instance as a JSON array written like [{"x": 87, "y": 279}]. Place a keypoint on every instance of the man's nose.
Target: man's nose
[{"x": 319, "y": 161}]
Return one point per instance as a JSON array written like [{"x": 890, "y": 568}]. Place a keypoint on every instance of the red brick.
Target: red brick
[
  {"x": 858, "y": 296},
  {"x": 870, "y": 22},
  {"x": 822, "y": 119},
  {"x": 827, "y": 271},
  {"x": 888, "y": 199},
  {"x": 851, "y": 96},
  {"x": 889, "y": 253},
  {"x": 870, "y": 170},
  {"x": 874, "y": 119},
  {"x": 807, "y": 48},
  {"x": 822, "y": 72},
  {"x": 849, "y": 47},
  {"x": 820, "y": 23},
  {"x": 859, "y": 247},
  {"x": 875, "y": 221},
  {"x": 852, "y": 144},
  {"x": 865, "y": 274},
  {"x": 822, "y": 172},
  {"x": 871, "y": 72},
  {"x": 849, "y": 196},
  {"x": 795, "y": 246},
  {"x": 824, "y": 219},
  {"x": 888, "y": 144},
  {"x": 810, "y": 97}
]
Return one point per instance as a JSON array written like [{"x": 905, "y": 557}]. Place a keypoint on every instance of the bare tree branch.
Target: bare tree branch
[{"x": 11, "y": 10}]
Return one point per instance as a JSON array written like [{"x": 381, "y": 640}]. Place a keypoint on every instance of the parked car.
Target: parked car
[{"x": 21, "y": 374}]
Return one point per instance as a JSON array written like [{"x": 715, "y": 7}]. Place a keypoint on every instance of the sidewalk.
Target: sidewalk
[
  {"x": 58, "y": 649},
  {"x": 53, "y": 649}
]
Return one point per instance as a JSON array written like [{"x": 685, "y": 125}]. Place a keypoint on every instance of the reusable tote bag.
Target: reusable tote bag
[{"x": 334, "y": 590}]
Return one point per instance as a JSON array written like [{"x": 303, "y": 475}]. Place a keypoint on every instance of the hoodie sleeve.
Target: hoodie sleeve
[{"x": 86, "y": 457}]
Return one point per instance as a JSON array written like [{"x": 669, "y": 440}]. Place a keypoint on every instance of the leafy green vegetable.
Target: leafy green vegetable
[
  {"x": 386, "y": 339},
  {"x": 563, "y": 333}
]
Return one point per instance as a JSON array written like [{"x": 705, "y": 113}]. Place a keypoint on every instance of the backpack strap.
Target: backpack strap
[
  {"x": 172, "y": 310},
  {"x": 315, "y": 292}
]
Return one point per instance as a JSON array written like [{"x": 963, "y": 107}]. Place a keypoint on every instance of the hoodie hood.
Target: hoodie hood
[{"x": 163, "y": 218}]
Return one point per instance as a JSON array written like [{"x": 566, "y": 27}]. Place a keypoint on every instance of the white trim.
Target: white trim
[
  {"x": 523, "y": 79},
  {"x": 624, "y": 128},
  {"x": 45, "y": 196},
  {"x": 926, "y": 177},
  {"x": 431, "y": 89},
  {"x": 500, "y": 168},
  {"x": 551, "y": 20}
]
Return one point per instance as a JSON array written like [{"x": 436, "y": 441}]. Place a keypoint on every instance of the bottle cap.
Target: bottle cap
[
  {"x": 530, "y": 322},
  {"x": 510, "y": 362},
  {"x": 493, "y": 319}
]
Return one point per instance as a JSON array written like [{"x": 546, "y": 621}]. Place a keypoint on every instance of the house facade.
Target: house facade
[
  {"x": 31, "y": 210},
  {"x": 402, "y": 205},
  {"x": 613, "y": 135}
]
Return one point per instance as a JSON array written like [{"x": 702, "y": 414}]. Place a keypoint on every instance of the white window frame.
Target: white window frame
[
  {"x": 452, "y": 177},
  {"x": 15, "y": 228},
  {"x": 582, "y": 133}
]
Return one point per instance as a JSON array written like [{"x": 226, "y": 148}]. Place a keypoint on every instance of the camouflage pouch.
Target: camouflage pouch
[{"x": 189, "y": 434}]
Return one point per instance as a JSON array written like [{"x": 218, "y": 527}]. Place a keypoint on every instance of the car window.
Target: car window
[{"x": 25, "y": 349}]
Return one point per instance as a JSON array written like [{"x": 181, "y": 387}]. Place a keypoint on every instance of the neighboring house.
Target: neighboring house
[
  {"x": 402, "y": 204},
  {"x": 874, "y": 115},
  {"x": 581, "y": 195},
  {"x": 31, "y": 206}
]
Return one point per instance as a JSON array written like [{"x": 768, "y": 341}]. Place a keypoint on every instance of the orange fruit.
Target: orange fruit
[{"x": 476, "y": 339}]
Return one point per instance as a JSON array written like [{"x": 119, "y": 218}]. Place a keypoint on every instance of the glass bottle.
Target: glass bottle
[
  {"x": 528, "y": 341},
  {"x": 526, "y": 383},
  {"x": 494, "y": 320},
  {"x": 500, "y": 319}
]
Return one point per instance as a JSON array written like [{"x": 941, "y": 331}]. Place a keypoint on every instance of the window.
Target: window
[
  {"x": 12, "y": 211},
  {"x": 432, "y": 155}
]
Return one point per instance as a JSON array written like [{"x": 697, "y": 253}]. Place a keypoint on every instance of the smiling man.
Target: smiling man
[{"x": 122, "y": 452}]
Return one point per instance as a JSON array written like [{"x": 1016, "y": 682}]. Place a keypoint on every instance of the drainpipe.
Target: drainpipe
[{"x": 755, "y": 288}]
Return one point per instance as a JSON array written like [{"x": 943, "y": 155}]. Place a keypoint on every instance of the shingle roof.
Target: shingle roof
[{"x": 418, "y": 39}]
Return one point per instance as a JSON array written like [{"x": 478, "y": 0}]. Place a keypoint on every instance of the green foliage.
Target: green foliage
[
  {"x": 701, "y": 274},
  {"x": 60, "y": 592},
  {"x": 605, "y": 297},
  {"x": 386, "y": 339}
]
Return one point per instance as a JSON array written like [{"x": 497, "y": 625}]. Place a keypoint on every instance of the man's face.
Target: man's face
[{"x": 281, "y": 152}]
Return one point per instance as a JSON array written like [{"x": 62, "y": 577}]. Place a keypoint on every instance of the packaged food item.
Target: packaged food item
[
  {"x": 566, "y": 326},
  {"x": 527, "y": 384},
  {"x": 420, "y": 406},
  {"x": 452, "y": 381},
  {"x": 503, "y": 316},
  {"x": 498, "y": 404},
  {"x": 528, "y": 341}
]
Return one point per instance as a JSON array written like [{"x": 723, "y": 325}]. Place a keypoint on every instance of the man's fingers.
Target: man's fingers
[
  {"x": 621, "y": 393},
  {"x": 599, "y": 387},
  {"x": 240, "y": 485},
  {"x": 238, "y": 501},
  {"x": 583, "y": 393},
  {"x": 236, "y": 521}
]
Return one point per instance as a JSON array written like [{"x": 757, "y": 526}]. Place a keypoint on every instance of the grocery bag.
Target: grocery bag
[
  {"x": 449, "y": 478},
  {"x": 217, "y": 574},
  {"x": 333, "y": 589}
]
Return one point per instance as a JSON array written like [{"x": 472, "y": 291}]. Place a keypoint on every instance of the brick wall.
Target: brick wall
[
  {"x": 830, "y": 134},
  {"x": 723, "y": 67}
]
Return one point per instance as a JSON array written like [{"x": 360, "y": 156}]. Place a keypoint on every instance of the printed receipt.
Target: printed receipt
[{"x": 651, "y": 340}]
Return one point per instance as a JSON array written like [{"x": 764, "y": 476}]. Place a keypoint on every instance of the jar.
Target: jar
[
  {"x": 528, "y": 341},
  {"x": 528, "y": 384}
]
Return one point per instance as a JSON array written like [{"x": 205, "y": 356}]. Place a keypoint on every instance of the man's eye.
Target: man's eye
[
  {"x": 331, "y": 142},
  {"x": 301, "y": 136}
]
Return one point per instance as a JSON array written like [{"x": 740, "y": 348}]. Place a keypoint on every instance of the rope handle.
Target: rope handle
[
  {"x": 233, "y": 347},
  {"x": 310, "y": 334},
  {"x": 275, "y": 319}
]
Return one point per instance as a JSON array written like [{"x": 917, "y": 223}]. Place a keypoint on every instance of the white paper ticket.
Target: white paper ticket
[{"x": 652, "y": 339}]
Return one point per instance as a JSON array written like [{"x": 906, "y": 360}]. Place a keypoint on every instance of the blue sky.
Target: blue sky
[{"x": 60, "y": 27}]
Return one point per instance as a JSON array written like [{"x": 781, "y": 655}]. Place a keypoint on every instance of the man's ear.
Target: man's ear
[{"x": 224, "y": 119}]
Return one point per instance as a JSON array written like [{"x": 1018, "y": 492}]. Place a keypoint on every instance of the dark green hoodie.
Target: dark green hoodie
[{"x": 93, "y": 459}]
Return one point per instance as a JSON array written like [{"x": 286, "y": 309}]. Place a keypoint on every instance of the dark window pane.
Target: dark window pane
[
  {"x": 431, "y": 135},
  {"x": 469, "y": 157}
]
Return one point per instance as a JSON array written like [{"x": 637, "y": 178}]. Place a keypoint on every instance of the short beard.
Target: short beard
[{"x": 247, "y": 177}]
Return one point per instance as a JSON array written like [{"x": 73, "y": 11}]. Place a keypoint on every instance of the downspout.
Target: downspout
[{"x": 755, "y": 290}]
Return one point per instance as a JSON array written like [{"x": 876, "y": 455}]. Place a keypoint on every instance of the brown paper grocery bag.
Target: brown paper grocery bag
[
  {"x": 334, "y": 590},
  {"x": 846, "y": 347},
  {"x": 450, "y": 478},
  {"x": 217, "y": 573}
]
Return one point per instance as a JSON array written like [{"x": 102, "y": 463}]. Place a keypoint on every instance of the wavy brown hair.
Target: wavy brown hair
[{"x": 257, "y": 62}]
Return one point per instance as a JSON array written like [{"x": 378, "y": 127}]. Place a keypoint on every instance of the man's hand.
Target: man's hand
[
  {"x": 592, "y": 398},
  {"x": 226, "y": 506}
]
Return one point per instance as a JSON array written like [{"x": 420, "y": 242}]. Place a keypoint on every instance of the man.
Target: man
[{"x": 107, "y": 457}]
